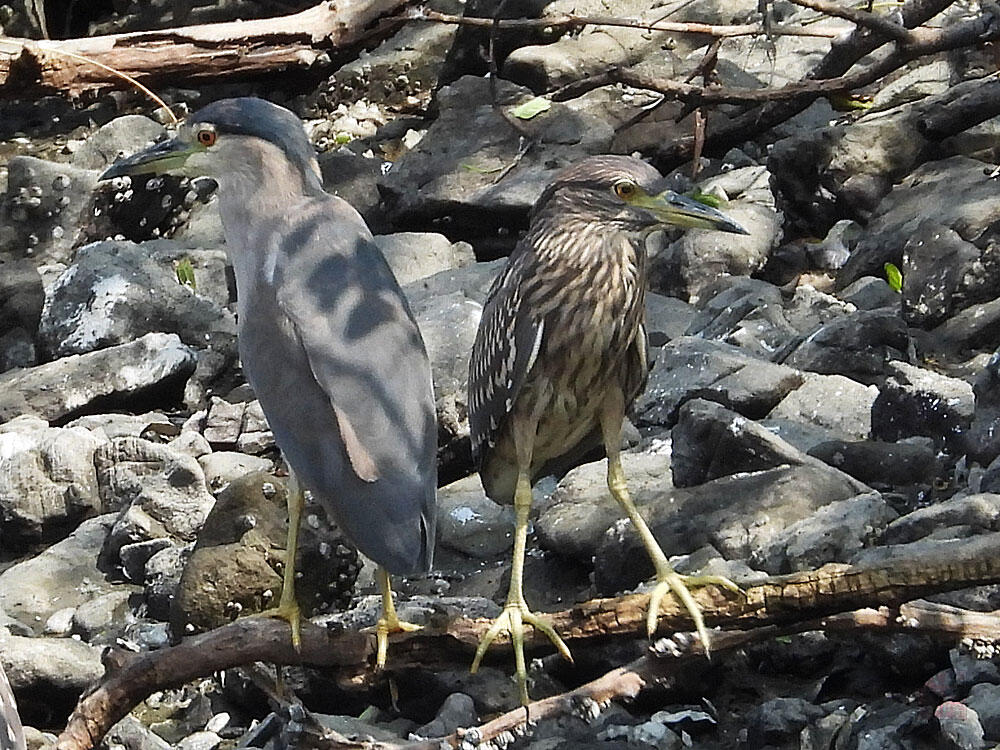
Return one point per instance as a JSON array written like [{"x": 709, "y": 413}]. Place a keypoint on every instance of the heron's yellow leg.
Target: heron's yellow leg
[
  {"x": 515, "y": 612},
  {"x": 667, "y": 579},
  {"x": 288, "y": 608},
  {"x": 389, "y": 622}
]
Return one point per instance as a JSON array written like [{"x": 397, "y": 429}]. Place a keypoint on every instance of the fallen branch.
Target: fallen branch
[
  {"x": 861, "y": 18},
  {"x": 798, "y": 601},
  {"x": 209, "y": 51}
]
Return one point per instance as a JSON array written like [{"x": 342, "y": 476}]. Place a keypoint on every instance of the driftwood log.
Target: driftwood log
[
  {"x": 191, "y": 53},
  {"x": 827, "y": 598}
]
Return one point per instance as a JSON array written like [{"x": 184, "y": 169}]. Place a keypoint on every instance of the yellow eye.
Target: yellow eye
[
  {"x": 625, "y": 189},
  {"x": 206, "y": 137}
]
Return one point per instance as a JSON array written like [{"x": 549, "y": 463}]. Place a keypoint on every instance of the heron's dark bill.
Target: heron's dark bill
[
  {"x": 673, "y": 208},
  {"x": 157, "y": 159}
]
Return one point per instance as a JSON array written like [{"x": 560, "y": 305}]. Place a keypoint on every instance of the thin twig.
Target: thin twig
[{"x": 861, "y": 18}]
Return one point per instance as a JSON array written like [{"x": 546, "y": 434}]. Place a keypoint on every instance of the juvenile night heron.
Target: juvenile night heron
[
  {"x": 560, "y": 355},
  {"x": 326, "y": 338}
]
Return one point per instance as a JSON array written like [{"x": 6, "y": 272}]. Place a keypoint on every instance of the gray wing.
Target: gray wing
[
  {"x": 506, "y": 346},
  {"x": 11, "y": 731},
  {"x": 365, "y": 440}
]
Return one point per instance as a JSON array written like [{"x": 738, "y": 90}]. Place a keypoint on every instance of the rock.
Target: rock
[
  {"x": 725, "y": 305},
  {"x": 47, "y": 481},
  {"x": 831, "y": 401},
  {"x": 779, "y": 719},
  {"x": 697, "y": 258},
  {"x": 160, "y": 492},
  {"x": 980, "y": 512},
  {"x": 457, "y": 711},
  {"x": 161, "y": 576},
  {"x": 241, "y": 424},
  {"x": 120, "y": 137},
  {"x": 471, "y": 523},
  {"x": 235, "y": 567},
  {"x": 417, "y": 255},
  {"x": 666, "y": 318},
  {"x": 581, "y": 508},
  {"x": 64, "y": 575},
  {"x": 223, "y": 467},
  {"x": 970, "y": 670},
  {"x": 44, "y": 208},
  {"x": 984, "y": 699},
  {"x": 200, "y": 741},
  {"x": 49, "y": 674},
  {"x": 458, "y": 175},
  {"x": 132, "y": 734},
  {"x": 139, "y": 374},
  {"x": 834, "y": 533},
  {"x": 151, "y": 426},
  {"x": 21, "y": 300},
  {"x": 191, "y": 442},
  {"x": 982, "y": 440},
  {"x": 937, "y": 266},
  {"x": 694, "y": 368},
  {"x": 975, "y": 327},
  {"x": 882, "y": 465},
  {"x": 858, "y": 346},
  {"x": 916, "y": 401},
  {"x": 135, "y": 556},
  {"x": 101, "y": 620},
  {"x": 711, "y": 441},
  {"x": 738, "y": 515},
  {"x": 116, "y": 292},
  {"x": 960, "y": 727},
  {"x": 870, "y": 293}
]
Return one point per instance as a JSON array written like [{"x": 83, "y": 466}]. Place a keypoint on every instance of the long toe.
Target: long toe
[
  {"x": 292, "y": 614},
  {"x": 383, "y": 628}
]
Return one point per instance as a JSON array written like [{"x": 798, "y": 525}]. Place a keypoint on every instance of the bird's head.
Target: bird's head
[
  {"x": 229, "y": 138},
  {"x": 627, "y": 193}
]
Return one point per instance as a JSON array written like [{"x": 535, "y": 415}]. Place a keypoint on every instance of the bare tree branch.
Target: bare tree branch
[{"x": 861, "y": 18}]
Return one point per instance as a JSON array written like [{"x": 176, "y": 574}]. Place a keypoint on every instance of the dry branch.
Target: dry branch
[
  {"x": 783, "y": 604},
  {"x": 190, "y": 53}
]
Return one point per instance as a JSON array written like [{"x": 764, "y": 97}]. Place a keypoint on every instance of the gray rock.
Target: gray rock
[
  {"x": 574, "y": 520},
  {"x": 975, "y": 327},
  {"x": 982, "y": 441},
  {"x": 725, "y": 305},
  {"x": 137, "y": 374},
  {"x": 666, "y": 318},
  {"x": 870, "y": 293},
  {"x": 118, "y": 291},
  {"x": 917, "y": 401},
  {"x": 120, "y": 137},
  {"x": 191, "y": 442},
  {"x": 738, "y": 515},
  {"x": 458, "y": 710},
  {"x": 222, "y": 467},
  {"x": 831, "y": 401},
  {"x": 135, "y": 556},
  {"x": 132, "y": 734},
  {"x": 151, "y": 425},
  {"x": 47, "y": 480},
  {"x": 937, "y": 266},
  {"x": 471, "y": 523},
  {"x": 859, "y": 346},
  {"x": 960, "y": 727},
  {"x": 984, "y": 699},
  {"x": 64, "y": 575},
  {"x": 980, "y": 512},
  {"x": 241, "y": 425},
  {"x": 834, "y": 533},
  {"x": 44, "y": 208},
  {"x": 200, "y": 741},
  {"x": 689, "y": 368},
  {"x": 779, "y": 719},
  {"x": 911, "y": 462},
  {"x": 468, "y": 181},
  {"x": 161, "y": 577},
  {"x": 711, "y": 441},
  {"x": 417, "y": 255},
  {"x": 161, "y": 493},
  {"x": 939, "y": 197},
  {"x": 970, "y": 670},
  {"x": 101, "y": 620},
  {"x": 59, "y": 622},
  {"x": 51, "y": 666},
  {"x": 21, "y": 300}
]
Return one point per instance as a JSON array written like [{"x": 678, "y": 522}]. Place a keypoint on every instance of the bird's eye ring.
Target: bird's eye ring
[
  {"x": 625, "y": 189},
  {"x": 206, "y": 137}
]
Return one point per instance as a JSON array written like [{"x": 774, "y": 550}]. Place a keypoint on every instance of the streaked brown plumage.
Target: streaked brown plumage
[{"x": 560, "y": 354}]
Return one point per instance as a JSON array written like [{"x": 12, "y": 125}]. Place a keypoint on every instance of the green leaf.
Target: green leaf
[
  {"x": 185, "y": 273},
  {"x": 894, "y": 276},
  {"x": 531, "y": 108},
  {"x": 709, "y": 199}
]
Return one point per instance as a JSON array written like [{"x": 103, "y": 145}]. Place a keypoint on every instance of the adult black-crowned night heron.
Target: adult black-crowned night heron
[
  {"x": 326, "y": 338},
  {"x": 560, "y": 355}
]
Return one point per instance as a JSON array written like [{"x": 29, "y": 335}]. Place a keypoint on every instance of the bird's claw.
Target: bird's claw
[
  {"x": 669, "y": 580},
  {"x": 290, "y": 612},
  {"x": 389, "y": 623},
  {"x": 512, "y": 620}
]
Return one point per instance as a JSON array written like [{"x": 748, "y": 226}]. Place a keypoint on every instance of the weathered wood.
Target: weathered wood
[
  {"x": 191, "y": 53},
  {"x": 790, "y": 603}
]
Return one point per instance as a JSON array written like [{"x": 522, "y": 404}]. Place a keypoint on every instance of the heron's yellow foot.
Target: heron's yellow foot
[
  {"x": 389, "y": 622},
  {"x": 289, "y": 611},
  {"x": 511, "y": 621},
  {"x": 668, "y": 580}
]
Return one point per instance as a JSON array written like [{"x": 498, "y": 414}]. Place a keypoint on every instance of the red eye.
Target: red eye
[{"x": 206, "y": 137}]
